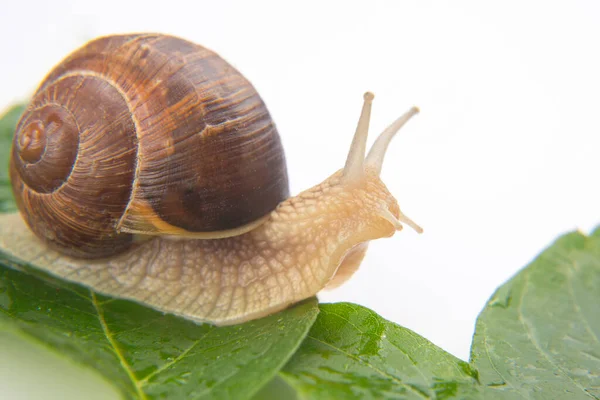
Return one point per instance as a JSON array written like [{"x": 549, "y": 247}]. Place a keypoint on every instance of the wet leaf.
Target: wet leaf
[
  {"x": 146, "y": 354},
  {"x": 352, "y": 353},
  {"x": 539, "y": 335}
]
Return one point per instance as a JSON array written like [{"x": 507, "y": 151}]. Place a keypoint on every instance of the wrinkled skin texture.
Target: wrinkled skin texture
[{"x": 297, "y": 252}]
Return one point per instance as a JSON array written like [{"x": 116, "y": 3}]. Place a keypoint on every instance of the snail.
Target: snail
[{"x": 148, "y": 168}]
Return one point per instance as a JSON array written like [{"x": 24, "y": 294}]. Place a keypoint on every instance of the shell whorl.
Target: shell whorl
[
  {"x": 142, "y": 134},
  {"x": 74, "y": 192}
]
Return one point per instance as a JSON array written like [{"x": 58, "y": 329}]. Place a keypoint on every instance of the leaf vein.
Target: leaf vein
[
  {"x": 489, "y": 356},
  {"x": 165, "y": 366},
  {"x": 360, "y": 360},
  {"x": 526, "y": 326},
  {"x": 578, "y": 309},
  {"x": 116, "y": 348}
]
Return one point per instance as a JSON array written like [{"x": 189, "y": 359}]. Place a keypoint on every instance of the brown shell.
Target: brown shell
[{"x": 144, "y": 133}]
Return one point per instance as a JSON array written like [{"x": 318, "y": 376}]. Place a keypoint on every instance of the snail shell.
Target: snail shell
[{"x": 144, "y": 134}]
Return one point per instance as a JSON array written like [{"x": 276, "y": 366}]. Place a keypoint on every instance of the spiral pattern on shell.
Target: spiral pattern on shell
[{"x": 144, "y": 134}]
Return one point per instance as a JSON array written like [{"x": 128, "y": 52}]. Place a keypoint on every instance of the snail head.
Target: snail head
[{"x": 356, "y": 196}]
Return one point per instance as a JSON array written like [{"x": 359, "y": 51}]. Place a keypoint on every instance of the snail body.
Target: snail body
[{"x": 147, "y": 168}]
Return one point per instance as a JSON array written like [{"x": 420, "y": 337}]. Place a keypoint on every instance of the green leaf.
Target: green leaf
[
  {"x": 352, "y": 353},
  {"x": 539, "y": 335},
  {"x": 8, "y": 122},
  {"x": 147, "y": 354}
]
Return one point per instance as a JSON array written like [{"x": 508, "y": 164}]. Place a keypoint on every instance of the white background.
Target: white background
[{"x": 501, "y": 160}]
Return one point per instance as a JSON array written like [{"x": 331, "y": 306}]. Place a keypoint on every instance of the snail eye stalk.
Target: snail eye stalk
[
  {"x": 377, "y": 153},
  {"x": 356, "y": 163},
  {"x": 354, "y": 167}
]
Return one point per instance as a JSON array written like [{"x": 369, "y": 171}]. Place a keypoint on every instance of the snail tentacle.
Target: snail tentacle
[
  {"x": 375, "y": 157},
  {"x": 356, "y": 156}
]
